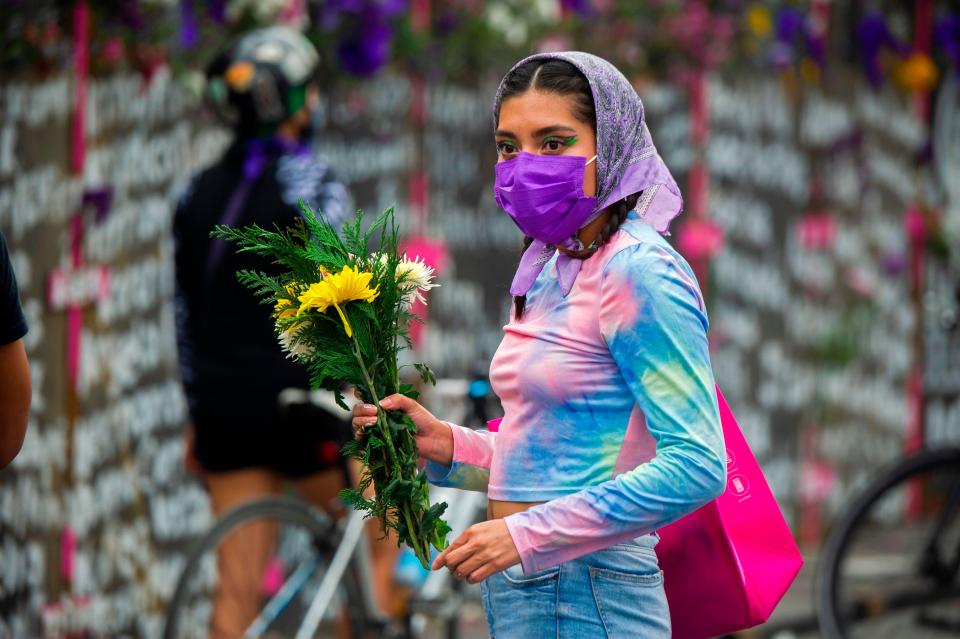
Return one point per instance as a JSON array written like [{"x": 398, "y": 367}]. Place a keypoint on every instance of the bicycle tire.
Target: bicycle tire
[
  {"x": 842, "y": 535},
  {"x": 286, "y": 510}
]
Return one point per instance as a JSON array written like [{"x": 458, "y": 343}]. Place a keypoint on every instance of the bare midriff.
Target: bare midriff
[{"x": 500, "y": 509}]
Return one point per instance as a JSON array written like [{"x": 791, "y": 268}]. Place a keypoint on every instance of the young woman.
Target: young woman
[{"x": 611, "y": 427}]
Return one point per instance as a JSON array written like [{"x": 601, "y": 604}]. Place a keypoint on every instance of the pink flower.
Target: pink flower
[
  {"x": 432, "y": 252},
  {"x": 112, "y": 50},
  {"x": 700, "y": 239},
  {"x": 817, "y": 231}
]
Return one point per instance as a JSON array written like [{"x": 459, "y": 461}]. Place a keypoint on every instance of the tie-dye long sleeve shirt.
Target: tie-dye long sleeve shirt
[{"x": 610, "y": 407}]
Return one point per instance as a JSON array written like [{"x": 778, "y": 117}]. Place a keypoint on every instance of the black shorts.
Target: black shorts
[{"x": 295, "y": 440}]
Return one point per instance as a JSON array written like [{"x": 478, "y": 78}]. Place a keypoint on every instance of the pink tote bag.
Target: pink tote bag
[{"x": 727, "y": 565}]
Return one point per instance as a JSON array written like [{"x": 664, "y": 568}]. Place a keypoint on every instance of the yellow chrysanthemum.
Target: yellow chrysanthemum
[
  {"x": 348, "y": 285},
  {"x": 286, "y": 308}
]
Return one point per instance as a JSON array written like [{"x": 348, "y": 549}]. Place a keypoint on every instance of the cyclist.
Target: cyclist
[{"x": 234, "y": 371}]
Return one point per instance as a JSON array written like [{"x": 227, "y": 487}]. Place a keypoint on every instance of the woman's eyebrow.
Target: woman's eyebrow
[
  {"x": 539, "y": 133},
  {"x": 556, "y": 128}
]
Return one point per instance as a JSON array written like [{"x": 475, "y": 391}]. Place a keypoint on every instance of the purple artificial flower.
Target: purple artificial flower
[
  {"x": 330, "y": 12},
  {"x": 816, "y": 48},
  {"x": 581, "y": 8},
  {"x": 368, "y": 49},
  {"x": 873, "y": 35},
  {"x": 791, "y": 23},
  {"x": 947, "y": 36},
  {"x": 781, "y": 55},
  {"x": 189, "y": 31},
  {"x": 392, "y": 8},
  {"x": 893, "y": 264}
]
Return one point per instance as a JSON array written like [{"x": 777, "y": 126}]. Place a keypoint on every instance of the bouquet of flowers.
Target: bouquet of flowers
[{"x": 344, "y": 312}]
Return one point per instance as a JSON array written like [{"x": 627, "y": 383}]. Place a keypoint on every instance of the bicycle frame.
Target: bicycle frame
[
  {"x": 348, "y": 546},
  {"x": 349, "y": 543}
]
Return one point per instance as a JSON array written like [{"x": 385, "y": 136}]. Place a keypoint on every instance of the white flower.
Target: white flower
[
  {"x": 295, "y": 349},
  {"x": 415, "y": 278}
]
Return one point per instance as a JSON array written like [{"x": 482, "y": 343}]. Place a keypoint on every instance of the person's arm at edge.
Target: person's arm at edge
[{"x": 15, "y": 394}]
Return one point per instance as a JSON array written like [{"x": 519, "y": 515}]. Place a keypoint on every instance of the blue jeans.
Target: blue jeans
[{"x": 613, "y": 593}]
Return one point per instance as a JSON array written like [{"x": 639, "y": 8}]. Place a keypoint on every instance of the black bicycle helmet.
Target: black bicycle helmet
[{"x": 262, "y": 79}]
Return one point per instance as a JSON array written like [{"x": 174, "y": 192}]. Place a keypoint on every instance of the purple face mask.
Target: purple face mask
[{"x": 543, "y": 195}]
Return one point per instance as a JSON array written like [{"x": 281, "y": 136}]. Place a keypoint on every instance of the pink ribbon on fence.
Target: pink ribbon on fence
[
  {"x": 68, "y": 547},
  {"x": 75, "y": 312},
  {"x": 81, "y": 69}
]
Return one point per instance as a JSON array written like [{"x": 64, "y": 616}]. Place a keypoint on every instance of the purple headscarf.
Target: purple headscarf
[{"x": 627, "y": 163}]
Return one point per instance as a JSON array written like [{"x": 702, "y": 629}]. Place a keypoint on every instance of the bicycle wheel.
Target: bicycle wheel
[
  {"x": 262, "y": 563},
  {"x": 890, "y": 565}
]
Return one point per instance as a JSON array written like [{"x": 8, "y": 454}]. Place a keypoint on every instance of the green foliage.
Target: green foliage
[{"x": 367, "y": 360}]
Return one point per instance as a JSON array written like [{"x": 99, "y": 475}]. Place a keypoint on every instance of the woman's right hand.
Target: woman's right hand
[{"x": 434, "y": 437}]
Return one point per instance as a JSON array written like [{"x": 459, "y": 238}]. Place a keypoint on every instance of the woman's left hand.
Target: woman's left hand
[{"x": 482, "y": 550}]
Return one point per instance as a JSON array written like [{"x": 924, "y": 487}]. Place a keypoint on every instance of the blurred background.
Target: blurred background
[{"x": 817, "y": 144}]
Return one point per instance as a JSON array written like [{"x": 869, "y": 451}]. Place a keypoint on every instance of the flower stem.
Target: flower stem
[
  {"x": 415, "y": 540},
  {"x": 381, "y": 414}
]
